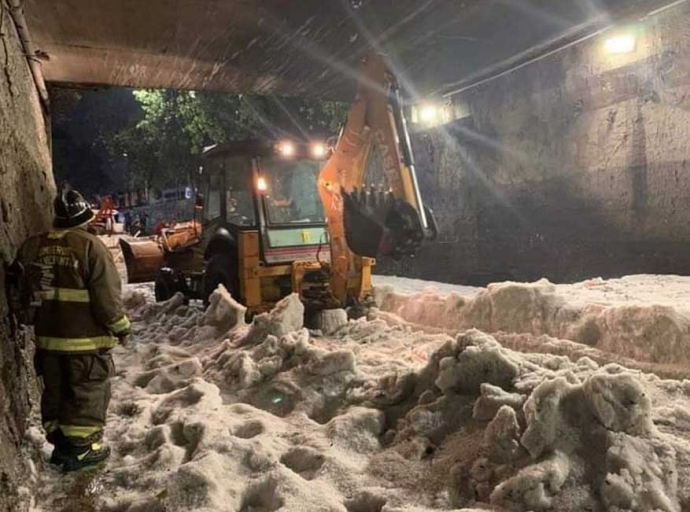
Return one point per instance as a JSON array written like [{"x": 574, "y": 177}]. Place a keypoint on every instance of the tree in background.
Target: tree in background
[
  {"x": 157, "y": 150},
  {"x": 83, "y": 121},
  {"x": 117, "y": 139}
]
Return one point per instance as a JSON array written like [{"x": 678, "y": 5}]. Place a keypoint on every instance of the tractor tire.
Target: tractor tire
[
  {"x": 220, "y": 269},
  {"x": 166, "y": 285}
]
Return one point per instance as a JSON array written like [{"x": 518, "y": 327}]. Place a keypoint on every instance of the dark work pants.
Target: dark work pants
[{"x": 76, "y": 393}]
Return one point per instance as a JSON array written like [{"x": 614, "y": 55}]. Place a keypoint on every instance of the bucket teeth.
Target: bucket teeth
[{"x": 378, "y": 224}]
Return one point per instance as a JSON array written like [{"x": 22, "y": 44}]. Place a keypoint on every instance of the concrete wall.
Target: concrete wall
[
  {"x": 573, "y": 167},
  {"x": 26, "y": 187}
]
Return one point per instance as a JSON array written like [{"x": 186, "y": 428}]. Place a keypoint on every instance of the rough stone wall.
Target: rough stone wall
[
  {"x": 449, "y": 193},
  {"x": 573, "y": 167},
  {"x": 26, "y": 186}
]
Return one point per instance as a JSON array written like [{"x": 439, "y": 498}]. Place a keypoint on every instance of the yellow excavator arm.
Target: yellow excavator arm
[{"x": 382, "y": 219}]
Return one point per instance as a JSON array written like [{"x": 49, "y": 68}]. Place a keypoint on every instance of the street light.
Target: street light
[
  {"x": 620, "y": 44},
  {"x": 428, "y": 114},
  {"x": 431, "y": 113}
]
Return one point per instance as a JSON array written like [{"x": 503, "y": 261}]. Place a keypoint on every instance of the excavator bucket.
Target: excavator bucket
[
  {"x": 378, "y": 225},
  {"x": 364, "y": 217}
]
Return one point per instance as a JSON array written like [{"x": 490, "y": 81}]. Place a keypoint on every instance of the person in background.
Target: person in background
[
  {"x": 78, "y": 317},
  {"x": 128, "y": 222},
  {"x": 144, "y": 218},
  {"x": 159, "y": 227}
]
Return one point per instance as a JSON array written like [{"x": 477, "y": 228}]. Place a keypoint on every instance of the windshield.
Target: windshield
[{"x": 291, "y": 192}]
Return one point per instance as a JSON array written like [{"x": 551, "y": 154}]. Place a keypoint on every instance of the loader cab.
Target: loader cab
[
  {"x": 261, "y": 213},
  {"x": 291, "y": 216},
  {"x": 270, "y": 188}
]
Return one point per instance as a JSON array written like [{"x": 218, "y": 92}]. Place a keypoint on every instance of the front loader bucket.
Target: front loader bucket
[{"x": 144, "y": 259}]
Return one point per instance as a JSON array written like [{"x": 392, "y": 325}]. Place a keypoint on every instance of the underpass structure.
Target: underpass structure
[
  {"x": 572, "y": 165},
  {"x": 309, "y": 47}
]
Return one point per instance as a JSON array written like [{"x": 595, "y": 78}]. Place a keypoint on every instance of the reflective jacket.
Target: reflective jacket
[{"x": 78, "y": 288}]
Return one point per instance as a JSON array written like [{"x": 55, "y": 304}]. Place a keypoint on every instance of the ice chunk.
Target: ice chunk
[
  {"x": 535, "y": 485},
  {"x": 196, "y": 486},
  {"x": 285, "y": 318},
  {"x": 270, "y": 365},
  {"x": 328, "y": 321},
  {"x": 642, "y": 475},
  {"x": 246, "y": 371},
  {"x": 491, "y": 399},
  {"x": 198, "y": 394},
  {"x": 366, "y": 501},
  {"x": 134, "y": 299},
  {"x": 424, "y": 421},
  {"x": 620, "y": 403},
  {"x": 358, "y": 429},
  {"x": 545, "y": 422},
  {"x": 328, "y": 363},
  {"x": 224, "y": 312},
  {"x": 169, "y": 378},
  {"x": 502, "y": 436},
  {"x": 486, "y": 362}
]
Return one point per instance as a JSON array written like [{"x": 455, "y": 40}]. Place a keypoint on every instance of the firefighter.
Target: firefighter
[{"x": 79, "y": 317}]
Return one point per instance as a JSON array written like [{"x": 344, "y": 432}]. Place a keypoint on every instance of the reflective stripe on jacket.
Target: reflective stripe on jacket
[{"x": 79, "y": 289}]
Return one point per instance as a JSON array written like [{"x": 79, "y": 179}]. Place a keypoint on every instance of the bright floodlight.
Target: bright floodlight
[
  {"x": 318, "y": 150},
  {"x": 261, "y": 184},
  {"x": 620, "y": 44},
  {"x": 428, "y": 113},
  {"x": 286, "y": 148}
]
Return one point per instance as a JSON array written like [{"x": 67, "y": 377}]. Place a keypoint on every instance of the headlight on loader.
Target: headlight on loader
[
  {"x": 286, "y": 149},
  {"x": 261, "y": 184},
  {"x": 318, "y": 150}
]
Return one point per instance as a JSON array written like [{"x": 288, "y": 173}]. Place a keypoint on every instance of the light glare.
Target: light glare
[
  {"x": 318, "y": 150},
  {"x": 428, "y": 113},
  {"x": 620, "y": 44},
  {"x": 261, "y": 184},
  {"x": 287, "y": 149}
]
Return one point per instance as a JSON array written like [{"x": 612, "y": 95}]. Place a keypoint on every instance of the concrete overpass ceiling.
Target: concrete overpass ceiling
[{"x": 305, "y": 47}]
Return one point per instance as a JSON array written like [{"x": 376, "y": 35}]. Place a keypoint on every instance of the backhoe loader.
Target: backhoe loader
[{"x": 291, "y": 216}]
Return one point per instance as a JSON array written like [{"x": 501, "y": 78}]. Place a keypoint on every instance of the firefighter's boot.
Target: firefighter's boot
[
  {"x": 59, "y": 455},
  {"x": 85, "y": 454},
  {"x": 58, "y": 440}
]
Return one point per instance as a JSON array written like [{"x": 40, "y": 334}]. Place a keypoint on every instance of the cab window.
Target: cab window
[
  {"x": 228, "y": 191},
  {"x": 212, "y": 197},
  {"x": 239, "y": 201},
  {"x": 291, "y": 195}
]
